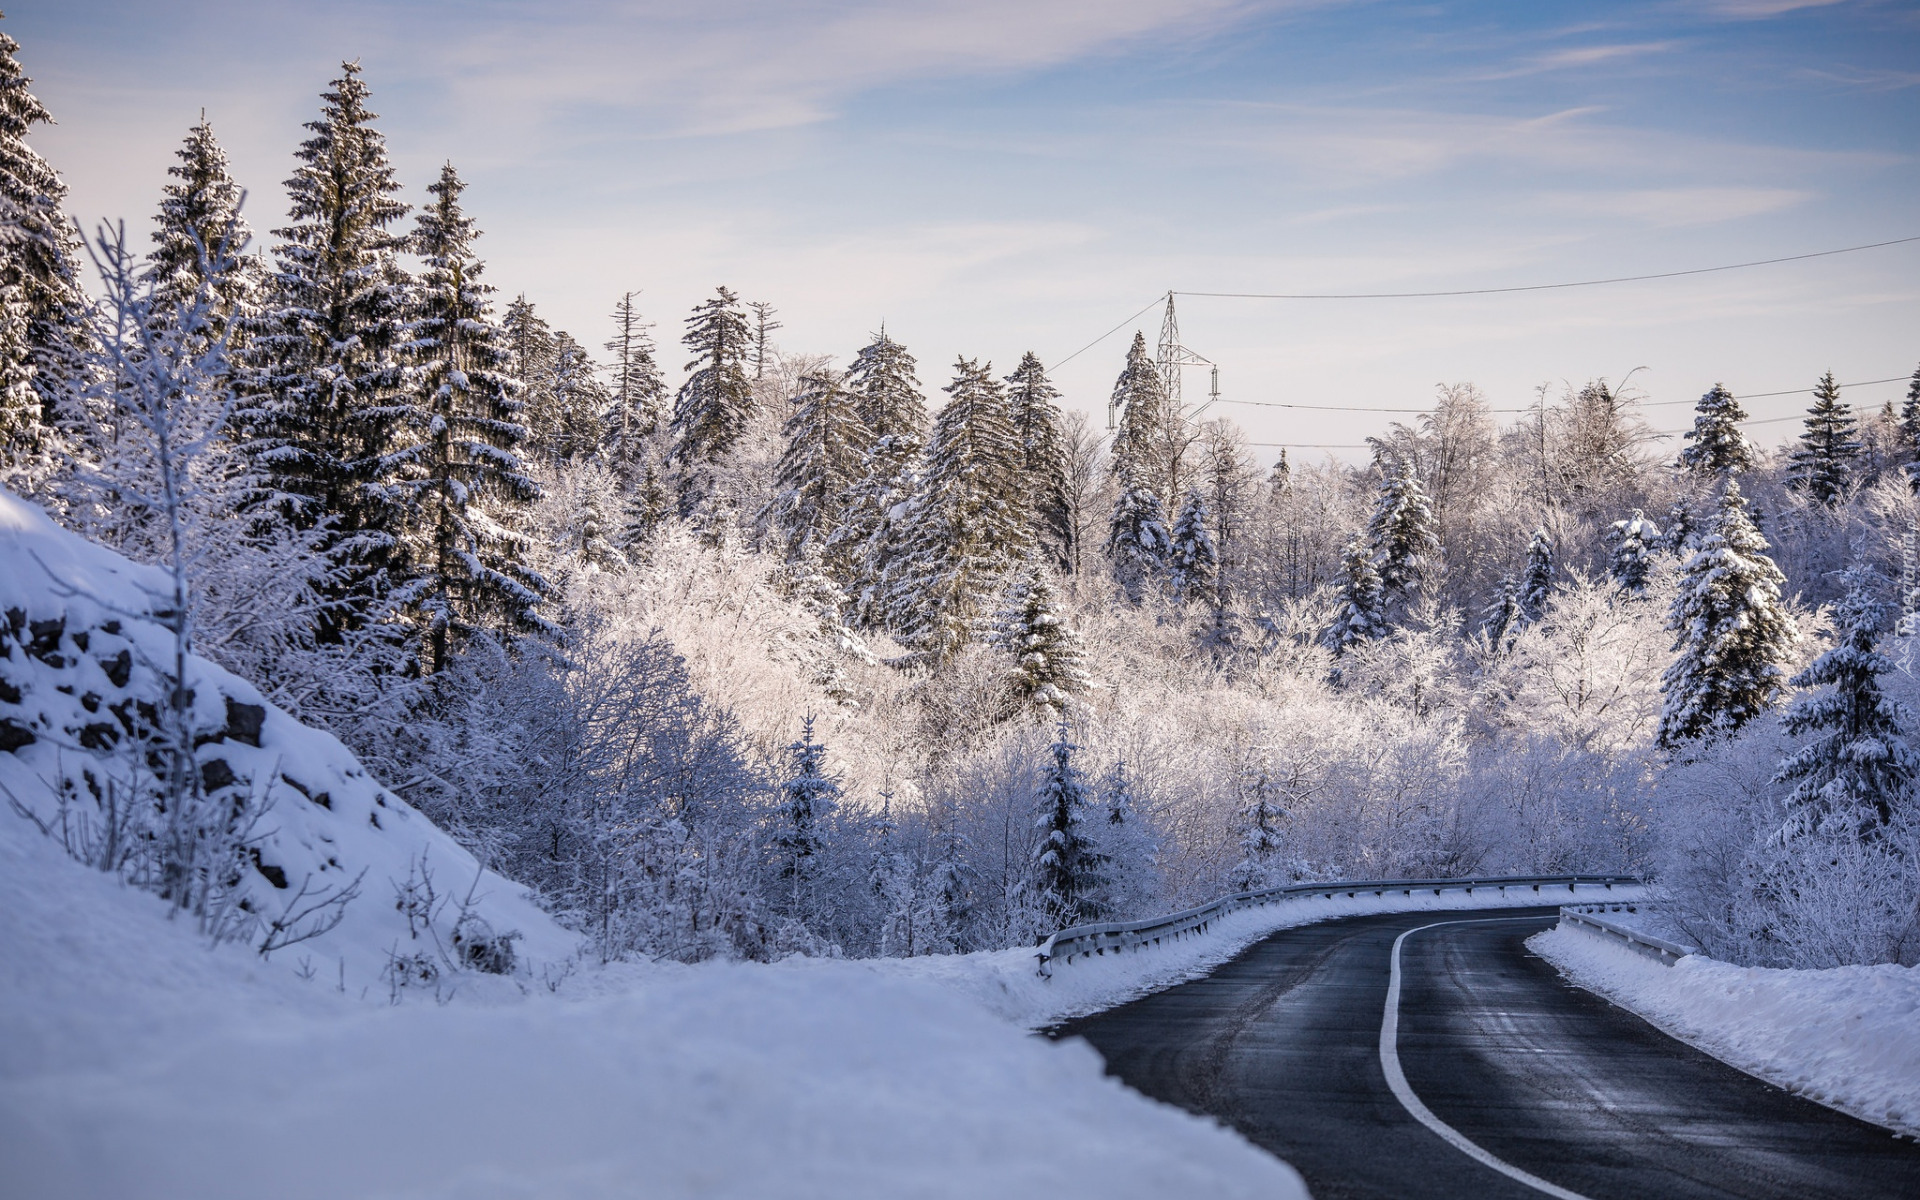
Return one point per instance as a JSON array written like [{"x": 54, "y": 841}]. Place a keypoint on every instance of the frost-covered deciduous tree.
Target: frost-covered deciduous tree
[
  {"x": 1716, "y": 444},
  {"x": 1823, "y": 464},
  {"x": 1731, "y": 629},
  {"x": 1859, "y": 762}
]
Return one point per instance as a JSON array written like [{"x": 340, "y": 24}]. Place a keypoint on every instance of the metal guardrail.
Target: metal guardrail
[
  {"x": 1587, "y": 917},
  {"x": 1114, "y": 937}
]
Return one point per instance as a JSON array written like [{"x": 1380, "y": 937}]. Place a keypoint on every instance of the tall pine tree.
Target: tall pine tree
[
  {"x": 639, "y": 396},
  {"x": 1731, "y": 630},
  {"x": 1822, "y": 467},
  {"x": 464, "y": 481},
  {"x": 1631, "y": 561},
  {"x": 1140, "y": 398},
  {"x": 825, "y": 457},
  {"x": 42, "y": 306},
  {"x": 716, "y": 401},
  {"x": 1138, "y": 542},
  {"x": 1067, "y": 866},
  {"x": 1402, "y": 536},
  {"x": 1048, "y": 664},
  {"x": 324, "y": 376},
  {"x": 200, "y": 239},
  {"x": 1036, "y": 423},
  {"x": 1361, "y": 615},
  {"x": 889, "y": 402},
  {"x": 1536, "y": 582},
  {"x": 1193, "y": 560},
  {"x": 967, "y": 524},
  {"x": 1717, "y": 445}
]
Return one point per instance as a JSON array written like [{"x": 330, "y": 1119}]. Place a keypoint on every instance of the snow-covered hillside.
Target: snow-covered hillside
[{"x": 83, "y": 670}]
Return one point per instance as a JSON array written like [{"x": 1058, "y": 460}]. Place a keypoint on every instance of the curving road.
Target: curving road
[{"x": 1516, "y": 1084}]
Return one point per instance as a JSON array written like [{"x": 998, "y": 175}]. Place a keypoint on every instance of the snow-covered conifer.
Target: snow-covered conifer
[
  {"x": 716, "y": 401},
  {"x": 466, "y": 489},
  {"x": 1402, "y": 536},
  {"x": 890, "y": 404},
  {"x": 1262, "y": 814},
  {"x": 324, "y": 375},
  {"x": 1280, "y": 478},
  {"x": 638, "y": 397},
  {"x": 1138, "y": 544},
  {"x": 1822, "y": 467},
  {"x": 42, "y": 306},
  {"x": 1860, "y": 762},
  {"x": 1036, "y": 423},
  {"x": 1731, "y": 629},
  {"x": 1910, "y": 420},
  {"x": 966, "y": 525},
  {"x": 763, "y": 326},
  {"x": 1634, "y": 540},
  {"x": 201, "y": 238},
  {"x": 1716, "y": 444},
  {"x": 825, "y": 457},
  {"x": 1193, "y": 562},
  {"x": 1128, "y": 845},
  {"x": 1536, "y": 582},
  {"x": 1503, "y": 617},
  {"x": 808, "y": 798},
  {"x": 1068, "y": 869},
  {"x": 645, "y": 511},
  {"x": 1140, "y": 396},
  {"x": 1049, "y": 666},
  {"x": 573, "y": 425},
  {"x": 1359, "y": 617}
]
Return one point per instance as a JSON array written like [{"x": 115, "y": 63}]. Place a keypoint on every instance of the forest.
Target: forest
[{"x": 729, "y": 649}]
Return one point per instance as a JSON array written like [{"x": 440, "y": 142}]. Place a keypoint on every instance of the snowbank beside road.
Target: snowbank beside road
[
  {"x": 1008, "y": 982},
  {"x": 139, "y": 1061},
  {"x": 1848, "y": 1037}
]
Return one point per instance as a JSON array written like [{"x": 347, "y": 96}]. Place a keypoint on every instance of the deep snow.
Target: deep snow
[{"x": 1848, "y": 1037}]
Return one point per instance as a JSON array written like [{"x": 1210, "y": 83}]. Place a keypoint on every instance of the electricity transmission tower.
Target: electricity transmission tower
[{"x": 1169, "y": 361}]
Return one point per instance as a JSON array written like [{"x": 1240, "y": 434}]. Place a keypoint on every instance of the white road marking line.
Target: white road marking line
[{"x": 1397, "y": 1080}]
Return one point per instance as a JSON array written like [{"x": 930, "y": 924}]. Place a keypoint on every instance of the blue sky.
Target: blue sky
[{"x": 992, "y": 176}]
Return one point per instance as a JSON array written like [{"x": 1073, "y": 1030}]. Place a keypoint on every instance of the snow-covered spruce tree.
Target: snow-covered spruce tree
[
  {"x": 1859, "y": 763},
  {"x": 200, "y": 238},
  {"x": 825, "y": 457},
  {"x": 570, "y": 426},
  {"x": 323, "y": 375},
  {"x": 1634, "y": 540},
  {"x": 1036, "y": 423},
  {"x": 1503, "y": 616},
  {"x": 1910, "y": 422},
  {"x": 592, "y": 495},
  {"x": 1049, "y": 666},
  {"x": 763, "y": 326},
  {"x": 1280, "y": 478},
  {"x": 1138, "y": 544},
  {"x": 1731, "y": 629},
  {"x": 1193, "y": 563},
  {"x": 1536, "y": 582},
  {"x": 1123, "y": 836},
  {"x": 464, "y": 484},
  {"x": 639, "y": 395},
  {"x": 530, "y": 343},
  {"x": 645, "y": 511},
  {"x": 889, "y": 403},
  {"x": 716, "y": 401},
  {"x": 1068, "y": 871},
  {"x": 1716, "y": 444},
  {"x": 1140, "y": 397},
  {"x": 809, "y": 797},
  {"x": 1359, "y": 617},
  {"x": 42, "y": 305},
  {"x": 1822, "y": 467},
  {"x": 1402, "y": 536},
  {"x": 1261, "y": 817},
  {"x": 966, "y": 527}
]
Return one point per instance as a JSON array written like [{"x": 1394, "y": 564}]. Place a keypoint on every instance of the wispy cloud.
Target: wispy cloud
[{"x": 1678, "y": 206}]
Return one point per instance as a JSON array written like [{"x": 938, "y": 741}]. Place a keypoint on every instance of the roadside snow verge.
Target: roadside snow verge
[
  {"x": 1008, "y": 982},
  {"x": 1848, "y": 1037}
]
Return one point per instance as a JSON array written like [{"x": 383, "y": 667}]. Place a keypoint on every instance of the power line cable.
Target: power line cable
[
  {"x": 1109, "y": 333},
  {"x": 1542, "y": 287}
]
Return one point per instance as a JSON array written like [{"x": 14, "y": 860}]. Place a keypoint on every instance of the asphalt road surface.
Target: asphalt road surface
[{"x": 1529, "y": 1086}]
